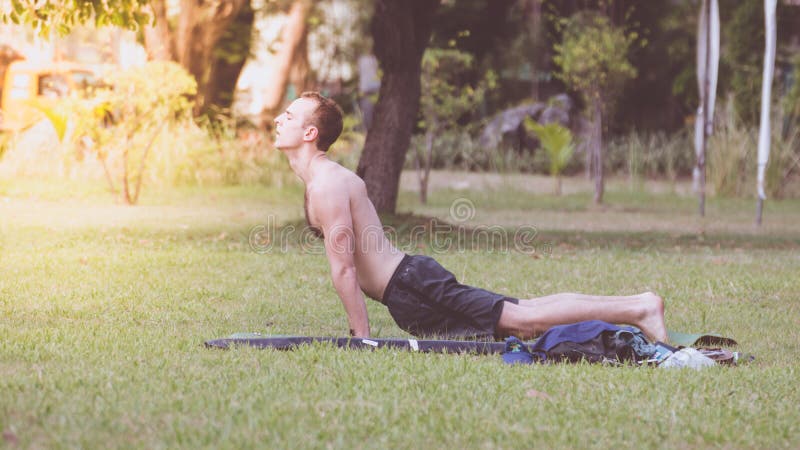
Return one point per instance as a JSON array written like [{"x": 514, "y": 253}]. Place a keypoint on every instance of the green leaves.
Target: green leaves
[
  {"x": 445, "y": 97},
  {"x": 556, "y": 141},
  {"x": 62, "y": 15},
  {"x": 141, "y": 105},
  {"x": 57, "y": 118},
  {"x": 159, "y": 89},
  {"x": 124, "y": 118},
  {"x": 593, "y": 55}
]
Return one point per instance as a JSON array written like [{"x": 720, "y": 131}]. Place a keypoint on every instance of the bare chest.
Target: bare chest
[{"x": 310, "y": 221}]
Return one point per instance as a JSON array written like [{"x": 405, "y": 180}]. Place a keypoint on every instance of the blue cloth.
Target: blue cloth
[
  {"x": 618, "y": 338},
  {"x": 575, "y": 332},
  {"x": 516, "y": 352},
  {"x": 585, "y": 331}
]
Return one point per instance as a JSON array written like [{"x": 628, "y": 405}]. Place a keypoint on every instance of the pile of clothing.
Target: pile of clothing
[{"x": 596, "y": 341}]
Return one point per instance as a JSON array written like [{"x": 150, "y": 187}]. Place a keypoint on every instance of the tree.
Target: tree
[
  {"x": 744, "y": 38},
  {"x": 7, "y": 56},
  {"x": 193, "y": 41},
  {"x": 143, "y": 101},
  {"x": 122, "y": 121},
  {"x": 293, "y": 51},
  {"x": 592, "y": 59},
  {"x": 446, "y": 100},
  {"x": 229, "y": 58},
  {"x": 62, "y": 15},
  {"x": 400, "y": 32},
  {"x": 158, "y": 35},
  {"x": 505, "y": 36},
  {"x": 665, "y": 91},
  {"x": 335, "y": 32}
]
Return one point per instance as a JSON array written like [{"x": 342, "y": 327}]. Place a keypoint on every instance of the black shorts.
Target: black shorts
[{"x": 426, "y": 300}]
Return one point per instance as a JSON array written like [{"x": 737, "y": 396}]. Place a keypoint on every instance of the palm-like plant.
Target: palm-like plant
[{"x": 557, "y": 142}]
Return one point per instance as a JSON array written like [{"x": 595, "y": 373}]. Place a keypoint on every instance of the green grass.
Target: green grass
[{"x": 104, "y": 308}]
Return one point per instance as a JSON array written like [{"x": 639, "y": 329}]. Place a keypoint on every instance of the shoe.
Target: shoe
[{"x": 719, "y": 355}]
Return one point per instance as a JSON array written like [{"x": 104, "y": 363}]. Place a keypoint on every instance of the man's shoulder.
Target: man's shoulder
[{"x": 336, "y": 179}]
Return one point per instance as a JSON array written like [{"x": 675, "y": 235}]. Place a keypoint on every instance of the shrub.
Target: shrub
[
  {"x": 557, "y": 142},
  {"x": 446, "y": 100},
  {"x": 593, "y": 60},
  {"x": 138, "y": 131}
]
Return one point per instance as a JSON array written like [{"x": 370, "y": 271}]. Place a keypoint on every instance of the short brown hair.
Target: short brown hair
[{"x": 327, "y": 117}]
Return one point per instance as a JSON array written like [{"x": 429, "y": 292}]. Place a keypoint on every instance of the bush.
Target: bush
[
  {"x": 557, "y": 142},
  {"x": 141, "y": 128}
]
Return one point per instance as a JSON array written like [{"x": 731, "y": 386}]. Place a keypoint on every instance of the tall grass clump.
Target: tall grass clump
[
  {"x": 213, "y": 153},
  {"x": 732, "y": 154},
  {"x": 460, "y": 149},
  {"x": 640, "y": 155},
  {"x": 783, "y": 169}
]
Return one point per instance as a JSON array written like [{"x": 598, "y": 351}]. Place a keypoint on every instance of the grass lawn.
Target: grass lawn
[{"x": 104, "y": 308}]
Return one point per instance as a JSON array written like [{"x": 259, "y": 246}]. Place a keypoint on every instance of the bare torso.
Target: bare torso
[{"x": 374, "y": 256}]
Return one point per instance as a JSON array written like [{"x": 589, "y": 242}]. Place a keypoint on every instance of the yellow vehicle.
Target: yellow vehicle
[{"x": 26, "y": 83}]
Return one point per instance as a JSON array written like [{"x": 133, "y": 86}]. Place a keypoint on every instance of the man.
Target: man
[{"x": 422, "y": 297}]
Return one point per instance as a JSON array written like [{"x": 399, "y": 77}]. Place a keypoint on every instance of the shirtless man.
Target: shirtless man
[{"x": 422, "y": 297}]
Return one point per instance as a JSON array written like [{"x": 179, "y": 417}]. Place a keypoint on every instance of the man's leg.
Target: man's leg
[{"x": 534, "y": 316}]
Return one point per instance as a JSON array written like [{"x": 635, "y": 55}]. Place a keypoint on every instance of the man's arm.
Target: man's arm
[{"x": 332, "y": 208}]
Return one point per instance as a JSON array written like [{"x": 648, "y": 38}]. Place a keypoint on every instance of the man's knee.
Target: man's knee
[{"x": 517, "y": 320}]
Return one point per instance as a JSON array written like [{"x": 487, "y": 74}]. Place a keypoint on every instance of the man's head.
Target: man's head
[{"x": 312, "y": 117}]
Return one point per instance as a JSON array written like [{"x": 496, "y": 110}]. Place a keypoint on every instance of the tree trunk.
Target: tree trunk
[
  {"x": 597, "y": 148},
  {"x": 300, "y": 73},
  {"x": 292, "y": 36},
  {"x": 200, "y": 27},
  {"x": 587, "y": 146},
  {"x": 533, "y": 12},
  {"x": 234, "y": 48},
  {"x": 420, "y": 176},
  {"x": 424, "y": 169},
  {"x": 400, "y": 31},
  {"x": 158, "y": 40},
  {"x": 7, "y": 56},
  {"x": 125, "y": 185}
]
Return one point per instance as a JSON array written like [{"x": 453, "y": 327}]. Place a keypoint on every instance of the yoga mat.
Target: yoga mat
[
  {"x": 420, "y": 345},
  {"x": 697, "y": 340}
]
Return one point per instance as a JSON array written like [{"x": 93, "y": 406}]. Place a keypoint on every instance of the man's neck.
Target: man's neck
[{"x": 302, "y": 160}]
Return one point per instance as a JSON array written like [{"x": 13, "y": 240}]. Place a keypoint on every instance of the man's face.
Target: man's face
[{"x": 289, "y": 129}]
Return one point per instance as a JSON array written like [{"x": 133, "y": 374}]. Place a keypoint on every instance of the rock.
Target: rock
[
  {"x": 508, "y": 122},
  {"x": 508, "y": 125}
]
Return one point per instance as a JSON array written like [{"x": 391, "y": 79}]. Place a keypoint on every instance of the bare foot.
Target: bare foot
[{"x": 652, "y": 323}]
